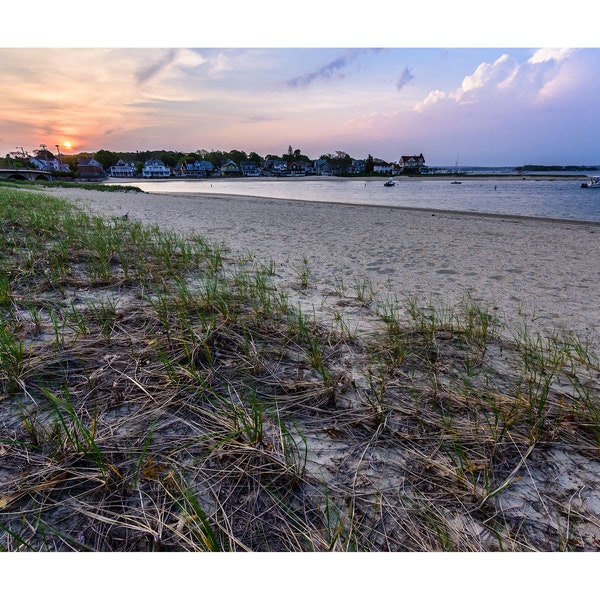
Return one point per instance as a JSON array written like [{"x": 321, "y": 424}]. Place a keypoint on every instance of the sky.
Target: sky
[{"x": 368, "y": 90}]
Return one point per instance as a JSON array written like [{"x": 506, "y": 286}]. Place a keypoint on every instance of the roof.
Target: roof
[{"x": 88, "y": 162}]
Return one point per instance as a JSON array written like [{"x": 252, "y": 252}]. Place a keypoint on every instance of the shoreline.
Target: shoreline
[
  {"x": 541, "y": 272},
  {"x": 445, "y": 176},
  {"x": 440, "y": 211}
]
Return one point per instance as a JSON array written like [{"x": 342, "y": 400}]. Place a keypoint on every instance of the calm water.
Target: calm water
[{"x": 562, "y": 199}]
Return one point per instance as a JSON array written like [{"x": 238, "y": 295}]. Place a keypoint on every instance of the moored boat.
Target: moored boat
[
  {"x": 594, "y": 182},
  {"x": 389, "y": 183}
]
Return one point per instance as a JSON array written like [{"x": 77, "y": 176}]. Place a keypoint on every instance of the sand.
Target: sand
[{"x": 545, "y": 273}]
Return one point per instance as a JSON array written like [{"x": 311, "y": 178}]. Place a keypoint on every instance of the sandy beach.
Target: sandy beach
[{"x": 543, "y": 272}]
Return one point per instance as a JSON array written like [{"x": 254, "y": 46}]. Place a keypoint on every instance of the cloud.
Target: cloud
[
  {"x": 333, "y": 68},
  {"x": 172, "y": 57},
  {"x": 547, "y": 54},
  {"x": 538, "y": 107},
  {"x": 488, "y": 75},
  {"x": 504, "y": 85},
  {"x": 405, "y": 77},
  {"x": 149, "y": 71},
  {"x": 262, "y": 119}
]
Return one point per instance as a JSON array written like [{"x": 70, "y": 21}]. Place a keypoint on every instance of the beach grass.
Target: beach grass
[{"x": 158, "y": 393}]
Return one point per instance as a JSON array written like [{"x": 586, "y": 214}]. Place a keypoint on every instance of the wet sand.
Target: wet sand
[{"x": 543, "y": 272}]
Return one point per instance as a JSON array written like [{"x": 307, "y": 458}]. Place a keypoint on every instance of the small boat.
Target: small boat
[
  {"x": 389, "y": 183},
  {"x": 456, "y": 182},
  {"x": 594, "y": 182}
]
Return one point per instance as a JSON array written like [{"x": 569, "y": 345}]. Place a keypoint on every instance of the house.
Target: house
[
  {"x": 90, "y": 169},
  {"x": 276, "y": 167},
  {"x": 296, "y": 168},
  {"x": 357, "y": 167},
  {"x": 321, "y": 167},
  {"x": 154, "y": 168},
  {"x": 123, "y": 169},
  {"x": 249, "y": 168},
  {"x": 48, "y": 164},
  {"x": 207, "y": 167},
  {"x": 228, "y": 167},
  {"x": 382, "y": 168},
  {"x": 191, "y": 167},
  {"x": 412, "y": 164}
]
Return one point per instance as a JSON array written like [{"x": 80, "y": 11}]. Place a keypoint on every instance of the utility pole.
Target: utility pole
[{"x": 59, "y": 159}]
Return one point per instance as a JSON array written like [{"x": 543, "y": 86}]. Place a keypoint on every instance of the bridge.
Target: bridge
[{"x": 21, "y": 174}]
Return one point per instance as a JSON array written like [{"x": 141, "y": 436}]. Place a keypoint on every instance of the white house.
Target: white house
[
  {"x": 383, "y": 169},
  {"x": 155, "y": 168},
  {"x": 49, "y": 164},
  {"x": 412, "y": 164},
  {"x": 123, "y": 169}
]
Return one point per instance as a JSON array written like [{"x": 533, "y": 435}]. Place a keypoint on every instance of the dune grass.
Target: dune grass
[
  {"x": 58, "y": 183},
  {"x": 157, "y": 393}
]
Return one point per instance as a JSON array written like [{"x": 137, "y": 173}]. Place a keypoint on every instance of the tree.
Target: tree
[
  {"x": 71, "y": 161},
  {"x": 237, "y": 156},
  {"x": 369, "y": 164},
  {"x": 340, "y": 162},
  {"x": 253, "y": 156},
  {"x": 106, "y": 158},
  {"x": 169, "y": 157}
]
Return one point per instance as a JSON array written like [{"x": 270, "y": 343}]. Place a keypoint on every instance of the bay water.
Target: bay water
[{"x": 560, "y": 198}]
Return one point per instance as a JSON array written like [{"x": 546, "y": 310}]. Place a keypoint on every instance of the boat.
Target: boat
[
  {"x": 389, "y": 183},
  {"x": 594, "y": 182},
  {"x": 456, "y": 182}
]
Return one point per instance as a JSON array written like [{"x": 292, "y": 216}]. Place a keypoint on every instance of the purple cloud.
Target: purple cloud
[
  {"x": 405, "y": 77},
  {"x": 143, "y": 75},
  {"x": 326, "y": 72}
]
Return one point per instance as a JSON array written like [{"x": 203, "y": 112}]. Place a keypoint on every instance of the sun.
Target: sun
[{"x": 67, "y": 145}]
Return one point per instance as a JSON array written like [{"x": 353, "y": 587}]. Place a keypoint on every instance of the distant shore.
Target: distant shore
[
  {"x": 444, "y": 177},
  {"x": 541, "y": 271}
]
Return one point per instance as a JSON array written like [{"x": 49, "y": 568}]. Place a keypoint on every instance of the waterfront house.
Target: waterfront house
[
  {"x": 249, "y": 168},
  {"x": 206, "y": 166},
  {"x": 357, "y": 167},
  {"x": 123, "y": 169},
  {"x": 412, "y": 164},
  {"x": 48, "y": 164},
  {"x": 90, "y": 169},
  {"x": 296, "y": 168},
  {"x": 154, "y": 168},
  {"x": 276, "y": 167},
  {"x": 382, "y": 168},
  {"x": 191, "y": 167},
  {"x": 228, "y": 167},
  {"x": 321, "y": 167}
]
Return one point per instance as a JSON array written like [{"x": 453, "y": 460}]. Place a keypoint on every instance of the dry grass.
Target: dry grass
[{"x": 159, "y": 394}]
